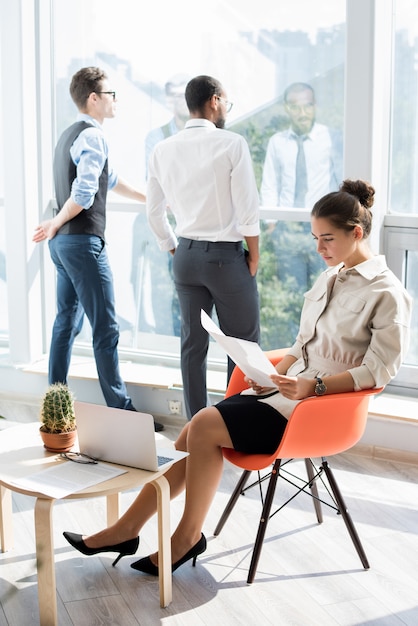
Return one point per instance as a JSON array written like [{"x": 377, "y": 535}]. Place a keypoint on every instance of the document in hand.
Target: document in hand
[{"x": 246, "y": 354}]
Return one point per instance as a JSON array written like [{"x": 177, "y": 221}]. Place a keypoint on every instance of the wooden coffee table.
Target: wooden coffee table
[{"x": 21, "y": 455}]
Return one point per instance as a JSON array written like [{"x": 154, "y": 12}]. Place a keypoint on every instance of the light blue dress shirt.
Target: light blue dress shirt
[{"x": 89, "y": 153}]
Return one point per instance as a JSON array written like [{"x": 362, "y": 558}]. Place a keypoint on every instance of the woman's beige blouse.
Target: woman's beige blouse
[{"x": 354, "y": 320}]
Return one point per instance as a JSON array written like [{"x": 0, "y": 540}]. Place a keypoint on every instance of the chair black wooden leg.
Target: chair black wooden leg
[
  {"x": 265, "y": 514},
  {"x": 314, "y": 491},
  {"x": 232, "y": 501},
  {"x": 345, "y": 514}
]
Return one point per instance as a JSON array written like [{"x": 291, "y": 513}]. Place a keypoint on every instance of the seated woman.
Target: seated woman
[{"x": 353, "y": 335}]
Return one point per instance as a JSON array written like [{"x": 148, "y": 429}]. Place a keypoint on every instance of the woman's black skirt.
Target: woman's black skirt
[{"x": 254, "y": 426}]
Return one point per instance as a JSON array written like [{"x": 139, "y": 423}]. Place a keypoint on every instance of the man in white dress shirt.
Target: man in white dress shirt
[
  {"x": 303, "y": 163},
  {"x": 204, "y": 174},
  {"x": 322, "y": 148}
]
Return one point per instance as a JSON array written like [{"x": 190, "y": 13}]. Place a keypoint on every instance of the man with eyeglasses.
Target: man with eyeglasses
[
  {"x": 204, "y": 174},
  {"x": 76, "y": 235},
  {"x": 303, "y": 162}
]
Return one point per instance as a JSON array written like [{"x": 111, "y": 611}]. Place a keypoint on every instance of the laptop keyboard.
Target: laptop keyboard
[{"x": 163, "y": 459}]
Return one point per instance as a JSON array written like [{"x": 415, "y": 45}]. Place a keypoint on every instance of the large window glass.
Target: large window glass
[
  {"x": 257, "y": 50},
  {"x": 4, "y": 325},
  {"x": 411, "y": 284},
  {"x": 3, "y": 291},
  {"x": 404, "y": 170},
  {"x": 402, "y": 257},
  {"x": 402, "y": 243}
]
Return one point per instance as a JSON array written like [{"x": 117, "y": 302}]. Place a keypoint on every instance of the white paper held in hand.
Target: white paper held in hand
[{"x": 246, "y": 354}]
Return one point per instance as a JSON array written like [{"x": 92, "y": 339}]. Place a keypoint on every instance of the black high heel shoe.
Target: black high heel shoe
[
  {"x": 147, "y": 566},
  {"x": 126, "y": 548}
]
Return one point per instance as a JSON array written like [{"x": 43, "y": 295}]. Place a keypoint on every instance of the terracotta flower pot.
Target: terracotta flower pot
[{"x": 58, "y": 442}]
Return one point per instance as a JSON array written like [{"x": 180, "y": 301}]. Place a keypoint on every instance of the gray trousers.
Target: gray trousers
[{"x": 208, "y": 274}]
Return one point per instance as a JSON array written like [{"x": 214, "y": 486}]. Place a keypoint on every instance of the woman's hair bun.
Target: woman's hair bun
[{"x": 361, "y": 189}]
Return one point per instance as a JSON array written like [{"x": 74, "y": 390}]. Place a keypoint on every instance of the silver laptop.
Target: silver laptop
[{"x": 122, "y": 437}]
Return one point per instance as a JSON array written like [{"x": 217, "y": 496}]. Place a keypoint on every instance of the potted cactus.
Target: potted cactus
[{"x": 58, "y": 430}]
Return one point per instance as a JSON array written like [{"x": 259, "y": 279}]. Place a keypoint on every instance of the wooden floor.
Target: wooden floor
[{"x": 308, "y": 575}]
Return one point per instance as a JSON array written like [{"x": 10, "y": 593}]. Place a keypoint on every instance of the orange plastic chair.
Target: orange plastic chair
[{"x": 318, "y": 427}]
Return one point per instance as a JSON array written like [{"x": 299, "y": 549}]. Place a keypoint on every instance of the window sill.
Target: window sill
[
  {"x": 141, "y": 374},
  {"x": 385, "y": 405},
  {"x": 394, "y": 406}
]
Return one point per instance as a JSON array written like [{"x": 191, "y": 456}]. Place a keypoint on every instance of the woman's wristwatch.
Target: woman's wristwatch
[{"x": 320, "y": 387}]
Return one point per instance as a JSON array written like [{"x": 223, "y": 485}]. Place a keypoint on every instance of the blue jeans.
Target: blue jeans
[{"x": 85, "y": 285}]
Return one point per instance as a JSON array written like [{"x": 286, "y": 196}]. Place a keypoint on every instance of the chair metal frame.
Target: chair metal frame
[{"x": 279, "y": 461}]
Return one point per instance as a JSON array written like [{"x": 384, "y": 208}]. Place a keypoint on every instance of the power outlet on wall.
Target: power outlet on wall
[{"x": 174, "y": 407}]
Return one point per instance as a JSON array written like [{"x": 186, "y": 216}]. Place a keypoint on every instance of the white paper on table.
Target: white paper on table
[
  {"x": 69, "y": 477},
  {"x": 246, "y": 354}
]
